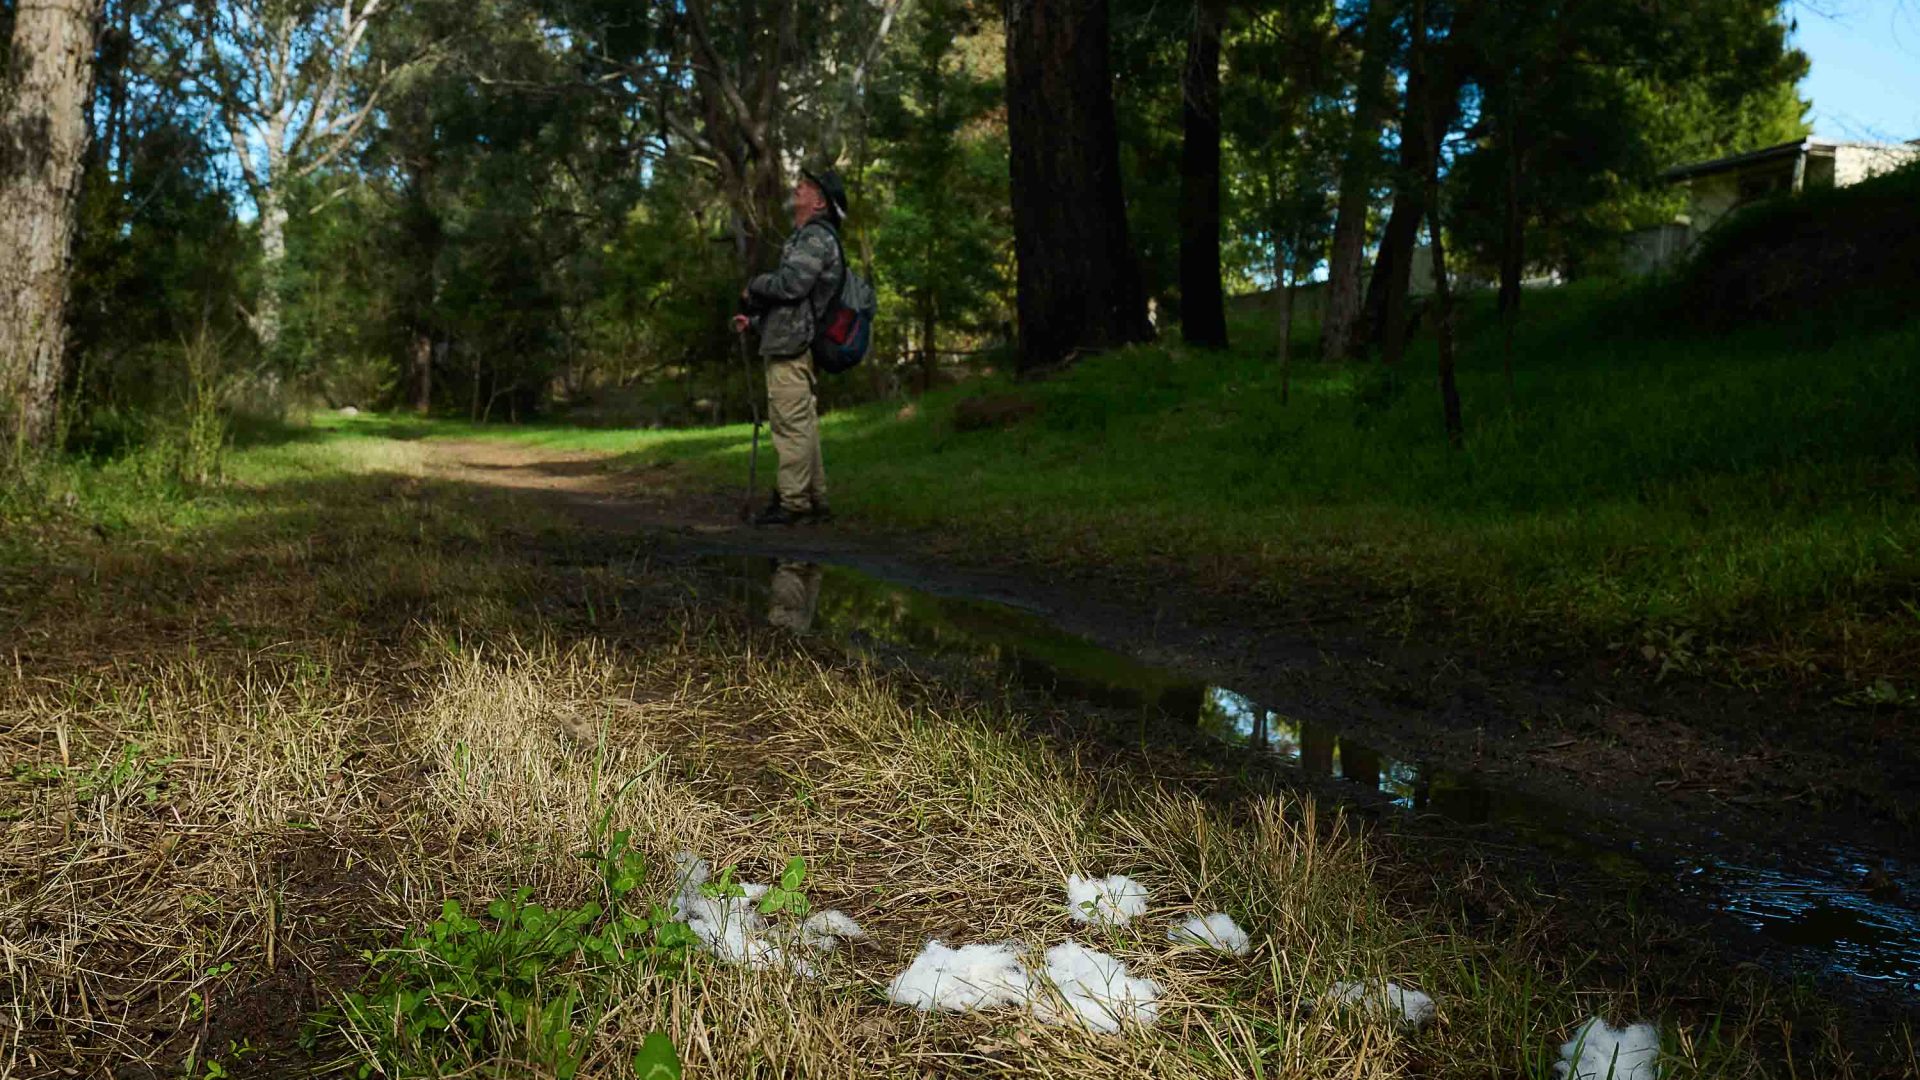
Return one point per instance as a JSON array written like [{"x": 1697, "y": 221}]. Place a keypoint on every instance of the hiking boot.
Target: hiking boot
[
  {"x": 821, "y": 513},
  {"x": 777, "y": 513}
]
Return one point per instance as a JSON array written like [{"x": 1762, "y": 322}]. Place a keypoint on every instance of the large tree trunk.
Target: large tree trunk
[
  {"x": 1203, "y": 313},
  {"x": 1078, "y": 285},
  {"x": 1356, "y": 188},
  {"x": 273, "y": 263},
  {"x": 43, "y": 142}
]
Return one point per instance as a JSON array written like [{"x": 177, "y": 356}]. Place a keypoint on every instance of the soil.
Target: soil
[{"x": 1696, "y": 771}]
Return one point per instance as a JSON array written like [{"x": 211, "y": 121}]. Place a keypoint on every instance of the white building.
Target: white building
[{"x": 1717, "y": 188}]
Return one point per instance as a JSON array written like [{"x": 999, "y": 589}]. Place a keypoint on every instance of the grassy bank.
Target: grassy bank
[
  {"x": 1744, "y": 503},
  {"x": 255, "y": 736}
]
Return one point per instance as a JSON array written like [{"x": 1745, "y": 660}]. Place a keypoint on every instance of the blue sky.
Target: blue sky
[{"x": 1865, "y": 82}]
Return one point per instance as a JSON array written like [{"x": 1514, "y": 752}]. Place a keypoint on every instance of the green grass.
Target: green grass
[{"x": 1753, "y": 494}]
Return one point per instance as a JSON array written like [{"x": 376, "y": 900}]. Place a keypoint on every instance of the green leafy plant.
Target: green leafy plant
[
  {"x": 519, "y": 980},
  {"x": 657, "y": 1059},
  {"x": 788, "y": 893}
]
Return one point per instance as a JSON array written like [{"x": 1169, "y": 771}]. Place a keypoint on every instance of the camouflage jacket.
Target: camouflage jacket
[{"x": 786, "y": 303}]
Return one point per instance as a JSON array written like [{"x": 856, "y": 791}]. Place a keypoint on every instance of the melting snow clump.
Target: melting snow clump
[
  {"x": 1079, "y": 985},
  {"x": 1410, "y": 1008},
  {"x": 733, "y": 929},
  {"x": 1115, "y": 900},
  {"x": 1599, "y": 1052},
  {"x": 1096, "y": 989},
  {"x": 824, "y": 931},
  {"x": 1217, "y": 931},
  {"x": 970, "y": 977}
]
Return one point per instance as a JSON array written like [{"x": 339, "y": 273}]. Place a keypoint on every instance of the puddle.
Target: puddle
[{"x": 1852, "y": 912}]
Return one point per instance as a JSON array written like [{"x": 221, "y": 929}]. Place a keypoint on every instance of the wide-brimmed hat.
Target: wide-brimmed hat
[{"x": 829, "y": 184}]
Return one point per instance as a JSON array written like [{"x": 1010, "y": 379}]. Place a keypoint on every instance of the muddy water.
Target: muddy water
[{"x": 1844, "y": 912}]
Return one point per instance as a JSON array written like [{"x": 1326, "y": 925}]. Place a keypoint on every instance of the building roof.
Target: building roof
[{"x": 1783, "y": 151}]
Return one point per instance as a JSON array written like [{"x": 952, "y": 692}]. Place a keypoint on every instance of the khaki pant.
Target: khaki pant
[
  {"x": 794, "y": 420},
  {"x": 793, "y": 595}
]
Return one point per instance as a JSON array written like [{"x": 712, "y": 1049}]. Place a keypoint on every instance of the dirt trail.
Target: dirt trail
[{"x": 1744, "y": 779}]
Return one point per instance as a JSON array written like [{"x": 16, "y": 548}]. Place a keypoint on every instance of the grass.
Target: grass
[
  {"x": 1743, "y": 504},
  {"x": 257, "y": 738}
]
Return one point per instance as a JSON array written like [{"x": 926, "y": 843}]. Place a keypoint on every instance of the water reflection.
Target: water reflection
[
  {"x": 793, "y": 595},
  {"x": 1823, "y": 909}
]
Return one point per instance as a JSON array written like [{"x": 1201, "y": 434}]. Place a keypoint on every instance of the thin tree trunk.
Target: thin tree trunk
[
  {"x": 1203, "y": 314},
  {"x": 929, "y": 359},
  {"x": 420, "y": 386},
  {"x": 1416, "y": 131},
  {"x": 1356, "y": 189},
  {"x": 1078, "y": 284},
  {"x": 1433, "y": 99},
  {"x": 1283, "y": 280},
  {"x": 1513, "y": 235},
  {"x": 43, "y": 143},
  {"x": 1513, "y": 254},
  {"x": 1443, "y": 292}
]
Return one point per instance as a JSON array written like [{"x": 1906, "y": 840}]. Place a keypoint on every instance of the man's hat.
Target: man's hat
[{"x": 829, "y": 184}]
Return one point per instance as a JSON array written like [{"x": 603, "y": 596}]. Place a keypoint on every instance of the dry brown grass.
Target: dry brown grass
[{"x": 390, "y": 695}]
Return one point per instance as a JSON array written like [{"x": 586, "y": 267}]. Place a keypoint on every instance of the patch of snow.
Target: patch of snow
[
  {"x": 734, "y": 931},
  {"x": 1114, "y": 900},
  {"x": 970, "y": 977},
  {"x": 824, "y": 931},
  {"x": 1409, "y": 1008},
  {"x": 1600, "y": 1052},
  {"x": 1217, "y": 931},
  {"x": 1096, "y": 990}
]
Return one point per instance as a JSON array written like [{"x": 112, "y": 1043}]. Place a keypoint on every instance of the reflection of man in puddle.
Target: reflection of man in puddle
[{"x": 792, "y": 595}]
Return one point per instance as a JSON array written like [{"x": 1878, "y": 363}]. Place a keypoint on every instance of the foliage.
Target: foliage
[
  {"x": 520, "y": 982},
  {"x": 1848, "y": 256},
  {"x": 944, "y": 239}
]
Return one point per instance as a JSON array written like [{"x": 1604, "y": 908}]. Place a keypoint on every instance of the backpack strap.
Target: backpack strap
[{"x": 841, "y": 249}]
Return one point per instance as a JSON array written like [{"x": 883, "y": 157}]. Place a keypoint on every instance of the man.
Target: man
[{"x": 784, "y": 307}]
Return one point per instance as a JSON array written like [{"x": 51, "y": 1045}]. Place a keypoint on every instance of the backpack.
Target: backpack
[{"x": 844, "y": 331}]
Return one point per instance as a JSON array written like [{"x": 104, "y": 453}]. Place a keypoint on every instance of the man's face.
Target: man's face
[{"x": 807, "y": 201}]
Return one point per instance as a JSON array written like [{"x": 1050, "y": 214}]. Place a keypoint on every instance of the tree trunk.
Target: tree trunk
[
  {"x": 1443, "y": 294},
  {"x": 1283, "y": 282},
  {"x": 1078, "y": 285},
  {"x": 420, "y": 385},
  {"x": 1513, "y": 239},
  {"x": 929, "y": 358},
  {"x": 1513, "y": 254},
  {"x": 1203, "y": 314},
  {"x": 273, "y": 261},
  {"x": 43, "y": 142},
  {"x": 1356, "y": 189},
  {"x": 1433, "y": 99}
]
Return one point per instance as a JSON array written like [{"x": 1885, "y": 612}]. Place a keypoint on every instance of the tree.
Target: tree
[
  {"x": 1285, "y": 131},
  {"x": 1436, "y": 73},
  {"x": 942, "y": 238},
  {"x": 1078, "y": 285},
  {"x": 1358, "y": 172},
  {"x": 1203, "y": 315},
  {"x": 288, "y": 83},
  {"x": 43, "y": 139}
]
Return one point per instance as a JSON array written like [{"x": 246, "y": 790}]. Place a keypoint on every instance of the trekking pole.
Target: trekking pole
[{"x": 753, "y": 456}]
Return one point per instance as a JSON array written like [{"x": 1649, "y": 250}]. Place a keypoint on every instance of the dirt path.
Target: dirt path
[{"x": 1715, "y": 780}]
